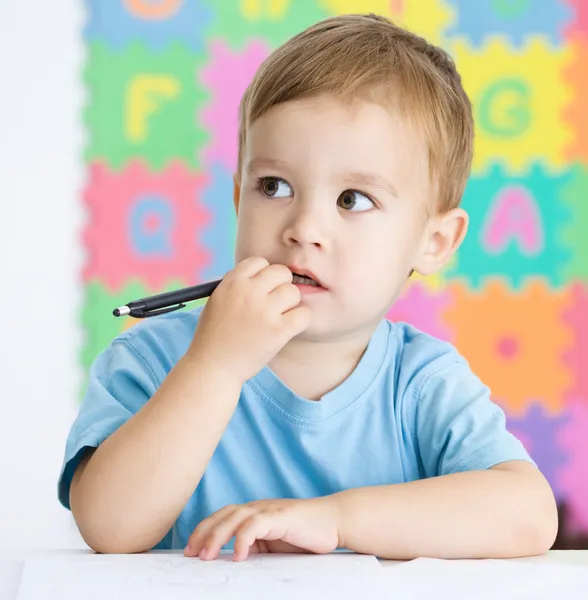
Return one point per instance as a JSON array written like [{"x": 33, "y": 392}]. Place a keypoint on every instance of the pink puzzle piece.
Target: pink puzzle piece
[
  {"x": 144, "y": 226},
  {"x": 227, "y": 76},
  {"x": 573, "y": 477},
  {"x": 423, "y": 309},
  {"x": 579, "y": 26}
]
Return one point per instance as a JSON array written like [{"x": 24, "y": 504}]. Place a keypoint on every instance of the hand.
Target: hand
[
  {"x": 269, "y": 526},
  {"x": 249, "y": 318}
]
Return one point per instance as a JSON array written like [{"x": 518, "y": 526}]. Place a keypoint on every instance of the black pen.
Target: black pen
[{"x": 166, "y": 302}]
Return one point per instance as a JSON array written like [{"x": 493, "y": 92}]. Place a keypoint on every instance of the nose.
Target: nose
[{"x": 306, "y": 225}]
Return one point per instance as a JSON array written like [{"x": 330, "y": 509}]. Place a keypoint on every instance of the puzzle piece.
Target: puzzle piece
[
  {"x": 574, "y": 196},
  {"x": 515, "y": 20},
  {"x": 342, "y": 7},
  {"x": 423, "y": 309},
  {"x": 145, "y": 225},
  {"x": 101, "y": 327},
  {"x": 576, "y": 318},
  {"x": 579, "y": 25},
  {"x": 540, "y": 433},
  {"x": 435, "y": 282},
  {"x": 97, "y": 317},
  {"x": 273, "y": 9},
  {"x": 518, "y": 98},
  {"x": 237, "y": 22},
  {"x": 515, "y": 342},
  {"x": 219, "y": 236},
  {"x": 154, "y": 23},
  {"x": 428, "y": 18},
  {"x": 220, "y": 117},
  {"x": 576, "y": 114},
  {"x": 144, "y": 105},
  {"x": 573, "y": 477},
  {"x": 516, "y": 225}
]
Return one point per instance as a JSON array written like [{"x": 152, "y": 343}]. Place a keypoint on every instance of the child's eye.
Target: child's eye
[
  {"x": 270, "y": 186},
  {"x": 354, "y": 201}
]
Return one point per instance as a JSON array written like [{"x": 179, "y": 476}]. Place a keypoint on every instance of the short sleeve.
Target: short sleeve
[
  {"x": 120, "y": 382},
  {"x": 457, "y": 425}
]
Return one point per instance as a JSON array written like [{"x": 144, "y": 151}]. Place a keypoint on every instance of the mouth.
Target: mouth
[{"x": 303, "y": 277}]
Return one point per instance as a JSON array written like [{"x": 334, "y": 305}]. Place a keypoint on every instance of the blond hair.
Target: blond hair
[{"x": 369, "y": 57}]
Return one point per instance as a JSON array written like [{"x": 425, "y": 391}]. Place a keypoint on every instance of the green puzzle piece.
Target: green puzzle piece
[
  {"x": 575, "y": 236},
  {"x": 273, "y": 21},
  {"x": 144, "y": 104}
]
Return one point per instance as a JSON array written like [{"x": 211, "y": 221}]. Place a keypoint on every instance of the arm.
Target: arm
[
  {"x": 475, "y": 492},
  {"x": 126, "y": 495},
  {"x": 506, "y": 511}
]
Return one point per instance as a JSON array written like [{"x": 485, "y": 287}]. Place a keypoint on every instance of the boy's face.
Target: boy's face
[{"x": 341, "y": 193}]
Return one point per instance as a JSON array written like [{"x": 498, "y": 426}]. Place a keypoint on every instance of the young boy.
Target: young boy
[{"x": 288, "y": 415}]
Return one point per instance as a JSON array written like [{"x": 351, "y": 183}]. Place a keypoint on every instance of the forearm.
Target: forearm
[
  {"x": 136, "y": 483},
  {"x": 477, "y": 514}
]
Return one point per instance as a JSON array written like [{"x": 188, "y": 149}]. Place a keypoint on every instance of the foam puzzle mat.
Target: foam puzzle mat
[{"x": 164, "y": 79}]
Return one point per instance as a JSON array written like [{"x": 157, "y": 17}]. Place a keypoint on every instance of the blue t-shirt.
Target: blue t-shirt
[{"x": 411, "y": 409}]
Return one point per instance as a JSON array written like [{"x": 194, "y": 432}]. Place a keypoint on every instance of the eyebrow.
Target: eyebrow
[
  {"x": 258, "y": 164},
  {"x": 371, "y": 180}
]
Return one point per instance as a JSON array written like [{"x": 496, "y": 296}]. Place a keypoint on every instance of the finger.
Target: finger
[
  {"x": 222, "y": 533},
  {"x": 285, "y": 297},
  {"x": 196, "y": 540},
  {"x": 296, "y": 320},
  {"x": 261, "y": 526},
  {"x": 259, "y": 547},
  {"x": 281, "y": 547},
  {"x": 272, "y": 277},
  {"x": 249, "y": 267}
]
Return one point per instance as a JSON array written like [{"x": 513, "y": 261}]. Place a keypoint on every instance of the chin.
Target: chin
[
  {"x": 316, "y": 332},
  {"x": 323, "y": 330}
]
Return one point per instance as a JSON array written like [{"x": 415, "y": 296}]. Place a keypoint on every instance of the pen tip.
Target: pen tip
[{"x": 121, "y": 311}]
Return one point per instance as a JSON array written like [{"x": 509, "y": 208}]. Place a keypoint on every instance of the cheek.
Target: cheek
[
  {"x": 243, "y": 236},
  {"x": 374, "y": 264},
  {"x": 253, "y": 232}
]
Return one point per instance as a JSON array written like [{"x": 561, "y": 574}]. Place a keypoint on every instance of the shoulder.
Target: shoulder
[
  {"x": 430, "y": 375},
  {"x": 420, "y": 357},
  {"x": 159, "y": 342},
  {"x": 447, "y": 410}
]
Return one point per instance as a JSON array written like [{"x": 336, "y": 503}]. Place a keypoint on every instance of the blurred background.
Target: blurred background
[{"x": 118, "y": 122}]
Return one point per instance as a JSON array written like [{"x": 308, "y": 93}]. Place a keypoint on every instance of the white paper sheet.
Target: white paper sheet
[
  {"x": 434, "y": 579},
  {"x": 169, "y": 575}
]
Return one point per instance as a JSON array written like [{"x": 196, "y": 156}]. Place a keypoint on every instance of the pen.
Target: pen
[{"x": 166, "y": 302}]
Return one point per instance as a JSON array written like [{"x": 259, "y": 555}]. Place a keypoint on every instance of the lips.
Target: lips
[
  {"x": 306, "y": 273},
  {"x": 301, "y": 280}
]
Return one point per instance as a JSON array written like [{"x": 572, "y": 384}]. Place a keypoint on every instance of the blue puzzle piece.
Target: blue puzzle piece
[
  {"x": 219, "y": 236},
  {"x": 155, "y": 23},
  {"x": 512, "y": 19}
]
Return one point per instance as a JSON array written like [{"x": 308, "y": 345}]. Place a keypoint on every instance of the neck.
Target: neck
[{"x": 312, "y": 368}]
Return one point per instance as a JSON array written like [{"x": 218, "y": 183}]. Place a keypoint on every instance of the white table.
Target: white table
[{"x": 11, "y": 564}]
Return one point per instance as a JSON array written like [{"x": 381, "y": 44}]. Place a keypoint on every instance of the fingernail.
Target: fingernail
[{"x": 202, "y": 553}]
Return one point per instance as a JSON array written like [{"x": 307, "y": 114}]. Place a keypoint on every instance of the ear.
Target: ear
[
  {"x": 443, "y": 236},
  {"x": 236, "y": 191}
]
